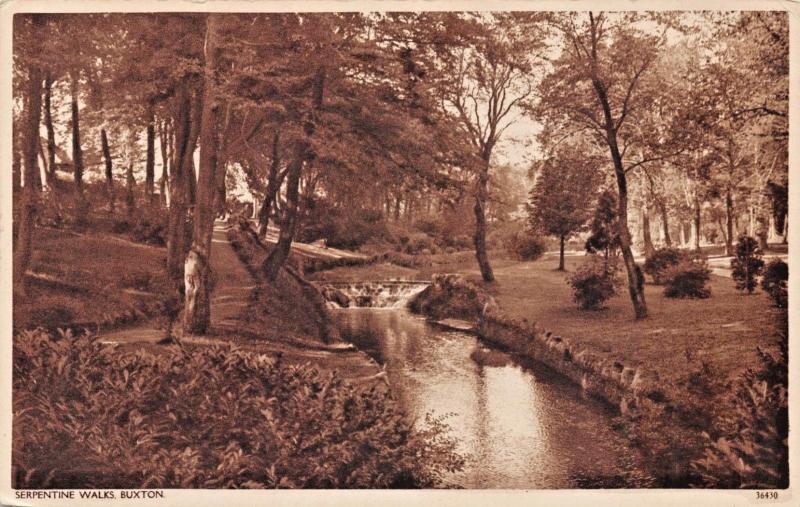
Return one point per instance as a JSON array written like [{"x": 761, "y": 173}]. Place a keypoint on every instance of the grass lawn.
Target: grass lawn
[
  {"x": 723, "y": 330},
  {"x": 87, "y": 278}
]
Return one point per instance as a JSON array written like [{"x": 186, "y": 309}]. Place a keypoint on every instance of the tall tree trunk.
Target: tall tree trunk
[
  {"x": 109, "y": 170},
  {"x": 77, "y": 156},
  {"x": 30, "y": 192},
  {"x": 280, "y": 253},
  {"x": 150, "y": 161},
  {"x": 561, "y": 241},
  {"x": 481, "y": 196},
  {"x": 51, "y": 135},
  {"x": 191, "y": 181},
  {"x": 197, "y": 270},
  {"x": 16, "y": 172},
  {"x": 662, "y": 208},
  {"x": 649, "y": 249},
  {"x": 163, "y": 139},
  {"x": 130, "y": 198},
  {"x": 183, "y": 150},
  {"x": 274, "y": 181},
  {"x": 696, "y": 223},
  {"x": 729, "y": 222},
  {"x": 397, "y": 208}
]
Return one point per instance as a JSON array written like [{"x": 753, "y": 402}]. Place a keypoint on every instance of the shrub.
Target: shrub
[
  {"x": 662, "y": 259},
  {"x": 419, "y": 242},
  {"x": 687, "y": 279},
  {"x": 776, "y": 276},
  {"x": 210, "y": 417},
  {"x": 593, "y": 283},
  {"x": 428, "y": 225},
  {"x": 525, "y": 246},
  {"x": 150, "y": 230},
  {"x": 746, "y": 264}
]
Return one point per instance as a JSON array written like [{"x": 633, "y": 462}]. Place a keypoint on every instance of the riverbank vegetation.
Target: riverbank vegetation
[{"x": 90, "y": 416}]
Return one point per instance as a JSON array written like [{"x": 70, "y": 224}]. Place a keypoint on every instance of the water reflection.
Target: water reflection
[{"x": 521, "y": 427}]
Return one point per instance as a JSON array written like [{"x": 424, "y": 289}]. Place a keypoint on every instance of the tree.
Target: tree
[
  {"x": 603, "y": 83},
  {"x": 30, "y": 28},
  {"x": 486, "y": 80},
  {"x": 560, "y": 200},
  {"x": 747, "y": 264},
  {"x": 197, "y": 270},
  {"x": 604, "y": 227}
]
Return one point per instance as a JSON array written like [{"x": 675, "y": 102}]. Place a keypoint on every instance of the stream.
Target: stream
[{"x": 519, "y": 425}]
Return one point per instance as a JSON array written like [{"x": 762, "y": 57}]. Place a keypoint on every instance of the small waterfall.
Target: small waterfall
[{"x": 383, "y": 294}]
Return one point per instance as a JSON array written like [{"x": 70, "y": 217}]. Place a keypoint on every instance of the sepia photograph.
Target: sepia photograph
[{"x": 497, "y": 248}]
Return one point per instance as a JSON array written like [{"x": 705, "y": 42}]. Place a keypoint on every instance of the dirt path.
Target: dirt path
[{"x": 230, "y": 299}]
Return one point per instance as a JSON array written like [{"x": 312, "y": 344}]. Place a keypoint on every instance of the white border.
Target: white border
[{"x": 432, "y": 498}]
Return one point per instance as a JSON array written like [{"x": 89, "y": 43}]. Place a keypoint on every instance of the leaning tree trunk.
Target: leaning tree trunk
[
  {"x": 30, "y": 192},
  {"x": 197, "y": 269},
  {"x": 481, "y": 196},
  {"x": 302, "y": 153},
  {"x": 51, "y": 135},
  {"x": 109, "y": 170},
  {"x": 562, "y": 239},
  {"x": 729, "y": 222},
  {"x": 280, "y": 253},
  {"x": 150, "y": 161},
  {"x": 649, "y": 249}
]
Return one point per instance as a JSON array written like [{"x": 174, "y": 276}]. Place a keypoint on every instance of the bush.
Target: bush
[
  {"x": 210, "y": 417},
  {"x": 152, "y": 230},
  {"x": 525, "y": 246},
  {"x": 663, "y": 259},
  {"x": 428, "y": 225},
  {"x": 747, "y": 263},
  {"x": 593, "y": 283},
  {"x": 687, "y": 279},
  {"x": 418, "y": 243},
  {"x": 776, "y": 276}
]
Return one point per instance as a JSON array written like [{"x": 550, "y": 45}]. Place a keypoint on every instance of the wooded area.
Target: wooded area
[{"x": 336, "y": 126}]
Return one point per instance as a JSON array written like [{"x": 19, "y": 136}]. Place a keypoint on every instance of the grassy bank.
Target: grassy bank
[
  {"x": 90, "y": 279},
  {"x": 678, "y": 337}
]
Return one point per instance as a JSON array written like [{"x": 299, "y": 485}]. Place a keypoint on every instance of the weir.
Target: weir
[{"x": 371, "y": 294}]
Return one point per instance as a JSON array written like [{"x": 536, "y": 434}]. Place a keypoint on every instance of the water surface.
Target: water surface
[{"x": 521, "y": 426}]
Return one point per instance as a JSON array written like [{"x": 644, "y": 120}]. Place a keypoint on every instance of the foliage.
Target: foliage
[
  {"x": 662, "y": 259},
  {"x": 687, "y": 279},
  {"x": 774, "y": 282},
  {"x": 604, "y": 236},
  {"x": 753, "y": 453},
  {"x": 525, "y": 246},
  {"x": 593, "y": 283},
  {"x": 560, "y": 200},
  {"x": 87, "y": 418},
  {"x": 747, "y": 263}
]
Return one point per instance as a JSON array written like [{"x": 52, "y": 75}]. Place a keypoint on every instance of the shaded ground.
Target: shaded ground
[
  {"x": 88, "y": 278},
  {"x": 268, "y": 319}
]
